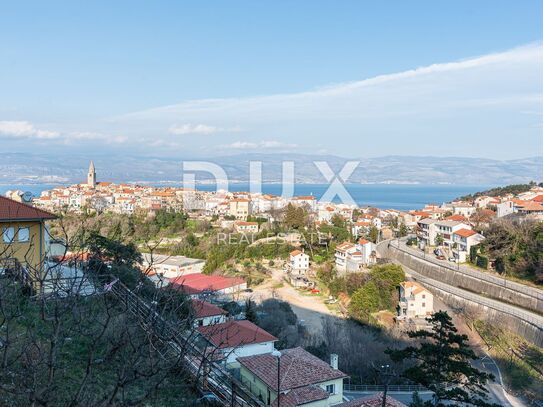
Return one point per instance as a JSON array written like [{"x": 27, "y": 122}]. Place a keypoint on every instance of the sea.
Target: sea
[{"x": 385, "y": 196}]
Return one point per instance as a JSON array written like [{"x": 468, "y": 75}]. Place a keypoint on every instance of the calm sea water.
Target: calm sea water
[{"x": 402, "y": 197}]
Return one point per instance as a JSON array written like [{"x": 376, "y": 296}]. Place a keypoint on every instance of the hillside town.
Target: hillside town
[
  {"x": 447, "y": 233},
  {"x": 454, "y": 226}
]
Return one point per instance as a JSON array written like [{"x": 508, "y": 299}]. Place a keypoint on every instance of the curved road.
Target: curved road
[
  {"x": 489, "y": 277},
  {"x": 527, "y": 316},
  {"x": 496, "y": 389}
]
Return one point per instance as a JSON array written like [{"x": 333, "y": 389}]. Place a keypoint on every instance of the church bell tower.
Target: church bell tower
[{"x": 91, "y": 177}]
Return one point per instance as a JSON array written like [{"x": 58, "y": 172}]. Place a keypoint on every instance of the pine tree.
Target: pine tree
[
  {"x": 443, "y": 364},
  {"x": 250, "y": 311}
]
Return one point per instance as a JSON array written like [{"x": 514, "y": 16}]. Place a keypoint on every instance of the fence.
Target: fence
[
  {"x": 362, "y": 388},
  {"x": 208, "y": 375},
  {"x": 489, "y": 278}
]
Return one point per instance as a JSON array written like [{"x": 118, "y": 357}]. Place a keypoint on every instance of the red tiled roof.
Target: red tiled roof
[
  {"x": 529, "y": 206},
  {"x": 363, "y": 241},
  {"x": 295, "y": 253},
  {"x": 299, "y": 368},
  {"x": 375, "y": 400},
  {"x": 11, "y": 210},
  {"x": 232, "y": 334},
  {"x": 457, "y": 217},
  {"x": 344, "y": 246},
  {"x": 302, "y": 395},
  {"x": 204, "y": 309},
  {"x": 465, "y": 232},
  {"x": 197, "y": 283},
  {"x": 538, "y": 198}
]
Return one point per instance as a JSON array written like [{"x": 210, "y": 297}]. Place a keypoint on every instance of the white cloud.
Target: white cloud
[
  {"x": 203, "y": 129},
  {"x": 266, "y": 144},
  {"x": 24, "y": 129},
  {"x": 473, "y": 101}
]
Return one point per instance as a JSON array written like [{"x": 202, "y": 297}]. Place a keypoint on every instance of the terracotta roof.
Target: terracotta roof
[
  {"x": 375, "y": 400},
  {"x": 531, "y": 206},
  {"x": 299, "y": 368},
  {"x": 420, "y": 213},
  {"x": 302, "y": 395},
  {"x": 465, "y": 232},
  {"x": 232, "y": 334},
  {"x": 457, "y": 217},
  {"x": 11, "y": 210},
  {"x": 197, "y": 283},
  {"x": 363, "y": 241},
  {"x": 295, "y": 253},
  {"x": 204, "y": 309},
  {"x": 344, "y": 246},
  {"x": 362, "y": 223},
  {"x": 538, "y": 198},
  {"x": 304, "y": 198}
]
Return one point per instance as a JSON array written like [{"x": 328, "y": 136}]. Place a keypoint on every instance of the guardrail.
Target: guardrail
[
  {"x": 511, "y": 285},
  {"x": 391, "y": 388},
  {"x": 530, "y": 318}
]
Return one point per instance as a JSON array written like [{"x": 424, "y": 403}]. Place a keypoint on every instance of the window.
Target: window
[
  {"x": 8, "y": 234},
  {"x": 423, "y": 296},
  {"x": 23, "y": 235},
  {"x": 423, "y": 305},
  {"x": 331, "y": 388}
]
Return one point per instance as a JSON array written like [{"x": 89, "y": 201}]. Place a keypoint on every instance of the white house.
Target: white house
[
  {"x": 205, "y": 313},
  {"x": 310, "y": 202},
  {"x": 426, "y": 232},
  {"x": 352, "y": 257},
  {"x": 234, "y": 339},
  {"x": 171, "y": 266},
  {"x": 446, "y": 228},
  {"x": 464, "y": 240},
  {"x": 245, "y": 227},
  {"x": 325, "y": 213},
  {"x": 505, "y": 208},
  {"x": 361, "y": 228},
  {"x": 305, "y": 381},
  {"x": 464, "y": 209},
  {"x": 415, "y": 300},
  {"x": 298, "y": 262}
]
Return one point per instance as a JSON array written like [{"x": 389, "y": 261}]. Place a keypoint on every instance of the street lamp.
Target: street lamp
[
  {"x": 277, "y": 355},
  {"x": 385, "y": 372}
]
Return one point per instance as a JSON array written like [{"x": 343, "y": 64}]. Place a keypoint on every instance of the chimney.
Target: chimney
[{"x": 334, "y": 360}]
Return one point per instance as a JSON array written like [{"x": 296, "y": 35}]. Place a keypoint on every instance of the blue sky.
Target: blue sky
[{"x": 203, "y": 78}]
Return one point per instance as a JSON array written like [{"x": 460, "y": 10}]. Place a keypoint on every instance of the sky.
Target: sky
[{"x": 196, "y": 79}]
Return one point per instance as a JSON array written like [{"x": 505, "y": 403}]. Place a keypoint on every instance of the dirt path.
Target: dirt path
[{"x": 309, "y": 309}]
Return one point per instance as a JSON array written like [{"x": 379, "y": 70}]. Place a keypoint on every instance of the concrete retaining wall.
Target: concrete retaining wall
[
  {"x": 464, "y": 281},
  {"x": 527, "y": 331}
]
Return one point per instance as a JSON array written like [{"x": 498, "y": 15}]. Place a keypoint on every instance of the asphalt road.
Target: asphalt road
[{"x": 497, "y": 393}]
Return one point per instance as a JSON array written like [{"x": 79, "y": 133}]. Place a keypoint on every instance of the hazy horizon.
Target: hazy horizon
[{"x": 360, "y": 80}]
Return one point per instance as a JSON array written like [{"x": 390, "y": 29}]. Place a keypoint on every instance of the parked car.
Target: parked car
[
  {"x": 441, "y": 257},
  {"x": 452, "y": 259}
]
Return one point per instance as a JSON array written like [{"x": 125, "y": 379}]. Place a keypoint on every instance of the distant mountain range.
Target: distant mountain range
[{"x": 17, "y": 168}]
